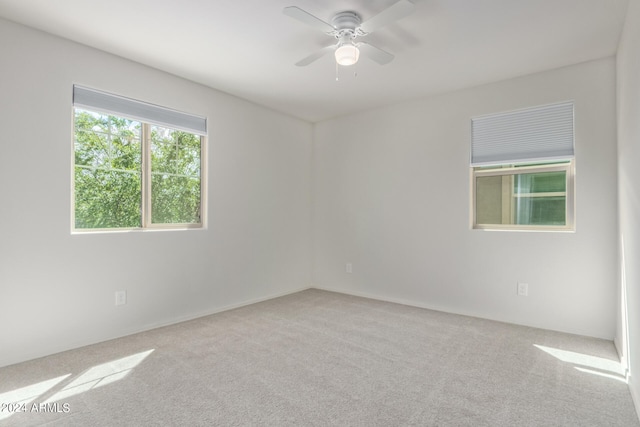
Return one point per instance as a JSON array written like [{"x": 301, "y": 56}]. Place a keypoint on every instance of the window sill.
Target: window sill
[
  {"x": 535, "y": 229},
  {"x": 135, "y": 230}
]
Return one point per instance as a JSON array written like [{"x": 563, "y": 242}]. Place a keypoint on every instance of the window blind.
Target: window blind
[
  {"x": 138, "y": 110},
  {"x": 524, "y": 136}
]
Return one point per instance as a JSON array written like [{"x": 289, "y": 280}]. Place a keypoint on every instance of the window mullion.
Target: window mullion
[
  {"x": 146, "y": 175},
  {"x": 508, "y": 208}
]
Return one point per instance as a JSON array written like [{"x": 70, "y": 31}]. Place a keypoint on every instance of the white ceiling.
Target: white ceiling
[{"x": 248, "y": 47}]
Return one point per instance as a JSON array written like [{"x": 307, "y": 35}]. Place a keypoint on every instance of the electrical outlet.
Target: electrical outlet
[
  {"x": 523, "y": 289},
  {"x": 121, "y": 297},
  {"x": 349, "y": 268}
]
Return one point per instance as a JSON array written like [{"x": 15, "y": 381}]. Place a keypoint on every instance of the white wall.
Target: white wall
[
  {"x": 628, "y": 67},
  {"x": 57, "y": 289},
  {"x": 392, "y": 196}
]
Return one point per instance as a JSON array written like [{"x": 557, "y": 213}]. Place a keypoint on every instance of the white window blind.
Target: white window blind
[
  {"x": 523, "y": 136},
  {"x": 107, "y": 103}
]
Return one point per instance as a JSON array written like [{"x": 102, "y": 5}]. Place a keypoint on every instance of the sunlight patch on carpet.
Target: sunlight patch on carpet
[
  {"x": 101, "y": 375},
  {"x": 25, "y": 395},
  {"x": 17, "y": 400},
  {"x": 588, "y": 364}
]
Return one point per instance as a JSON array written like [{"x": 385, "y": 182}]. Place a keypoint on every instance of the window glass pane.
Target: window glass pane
[
  {"x": 545, "y": 182},
  {"x": 522, "y": 199},
  {"x": 489, "y": 199},
  {"x": 175, "y": 176},
  {"x": 540, "y": 198},
  {"x": 540, "y": 210},
  {"x": 107, "y": 199},
  {"x": 107, "y": 175}
]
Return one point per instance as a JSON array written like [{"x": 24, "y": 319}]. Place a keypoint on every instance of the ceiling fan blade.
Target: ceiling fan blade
[
  {"x": 315, "y": 56},
  {"x": 309, "y": 19},
  {"x": 375, "y": 53},
  {"x": 394, "y": 12}
]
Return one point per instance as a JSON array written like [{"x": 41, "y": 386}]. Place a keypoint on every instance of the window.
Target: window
[
  {"x": 523, "y": 169},
  {"x": 136, "y": 165},
  {"x": 524, "y": 196}
]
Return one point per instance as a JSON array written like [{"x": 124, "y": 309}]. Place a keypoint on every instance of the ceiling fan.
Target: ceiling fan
[{"x": 346, "y": 27}]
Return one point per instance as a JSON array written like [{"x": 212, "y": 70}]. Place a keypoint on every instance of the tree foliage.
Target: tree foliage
[{"x": 175, "y": 176}]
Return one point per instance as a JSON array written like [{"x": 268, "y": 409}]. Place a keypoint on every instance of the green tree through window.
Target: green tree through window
[
  {"x": 175, "y": 176},
  {"x": 110, "y": 175}
]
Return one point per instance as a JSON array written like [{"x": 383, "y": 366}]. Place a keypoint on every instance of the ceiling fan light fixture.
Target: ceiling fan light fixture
[{"x": 347, "y": 54}]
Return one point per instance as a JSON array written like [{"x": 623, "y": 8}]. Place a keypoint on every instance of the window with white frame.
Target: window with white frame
[
  {"x": 136, "y": 165},
  {"x": 522, "y": 165}
]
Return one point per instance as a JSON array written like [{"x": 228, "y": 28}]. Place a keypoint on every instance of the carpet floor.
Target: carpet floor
[{"x": 318, "y": 358}]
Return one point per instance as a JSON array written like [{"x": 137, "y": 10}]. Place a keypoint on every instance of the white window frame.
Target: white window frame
[
  {"x": 510, "y": 170},
  {"x": 146, "y": 172}
]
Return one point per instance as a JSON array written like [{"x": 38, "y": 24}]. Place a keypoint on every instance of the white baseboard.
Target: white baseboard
[
  {"x": 197, "y": 315},
  {"x": 372, "y": 296},
  {"x": 407, "y": 302},
  {"x": 635, "y": 395},
  {"x": 123, "y": 333},
  {"x": 449, "y": 310}
]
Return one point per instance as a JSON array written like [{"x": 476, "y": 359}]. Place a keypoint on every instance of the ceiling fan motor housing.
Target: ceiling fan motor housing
[{"x": 346, "y": 25}]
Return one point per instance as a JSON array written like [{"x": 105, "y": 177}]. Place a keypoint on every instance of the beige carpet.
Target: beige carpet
[{"x": 321, "y": 358}]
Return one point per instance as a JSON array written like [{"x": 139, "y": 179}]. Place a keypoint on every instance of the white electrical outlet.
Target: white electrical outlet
[
  {"x": 121, "y": 297},
  {"x": 523, "y": 289},
  {"x": 349, "y": 268}
]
